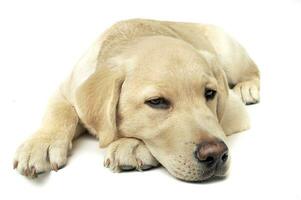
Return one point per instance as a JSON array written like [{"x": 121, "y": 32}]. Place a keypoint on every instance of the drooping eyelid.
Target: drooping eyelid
[
  {"x": 209, "y": 81},
  {"x": 153, "y": 98},
  {"x": 210, "y": 87},
  {"x": 211, "y": 84},
  {"x": 150, "y": 93}
]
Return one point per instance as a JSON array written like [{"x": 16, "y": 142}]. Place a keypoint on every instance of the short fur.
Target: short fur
[{"x": 133, "y": 61}]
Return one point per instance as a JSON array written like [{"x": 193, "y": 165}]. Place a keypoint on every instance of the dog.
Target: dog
[{"x": 154, "y": 93}]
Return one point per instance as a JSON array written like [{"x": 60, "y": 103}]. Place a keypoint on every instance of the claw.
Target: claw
[
  {"x": 54, "y": 167},
  {"x": 16, "y": 164},
  {"x": 33, "y": 172},
  {"x": 116, "y": 167},
  {"x": 107, "y": 163},
  {"x": 139, "y": 165},
  {"x": 27, "y": 172}
]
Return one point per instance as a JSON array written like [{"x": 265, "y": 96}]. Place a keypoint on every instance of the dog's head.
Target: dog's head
[{"x": 172, "y": 97}]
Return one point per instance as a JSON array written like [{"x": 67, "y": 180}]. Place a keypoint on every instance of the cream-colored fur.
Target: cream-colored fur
[{"x": 132, "y": 62}]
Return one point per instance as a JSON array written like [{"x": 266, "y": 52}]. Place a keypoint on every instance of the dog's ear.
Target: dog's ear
[
  {"x": 223, "y": 88},
  {"x": 97, "y": 100}
]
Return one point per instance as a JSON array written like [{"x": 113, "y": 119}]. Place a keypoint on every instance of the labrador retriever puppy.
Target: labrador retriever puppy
[{"x": 152, "y": 92}]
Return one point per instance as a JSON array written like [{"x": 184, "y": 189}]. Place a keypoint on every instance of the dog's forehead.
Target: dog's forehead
[
  {"x": 170, "y": 53},
  {"x": 166, "y": 63},
  {"x": 170, "y": 79},
  {"x": 171, "y": 68}
]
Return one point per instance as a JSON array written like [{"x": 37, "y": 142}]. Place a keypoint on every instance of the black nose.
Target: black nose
[{"x": 212, "y": 152}]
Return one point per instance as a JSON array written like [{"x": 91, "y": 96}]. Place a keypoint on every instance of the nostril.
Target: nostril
[
  {"x": 225, "y": 157},
  {"x": 208, "y": 160}
]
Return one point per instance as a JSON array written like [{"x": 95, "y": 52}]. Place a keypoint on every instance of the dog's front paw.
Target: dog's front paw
[
  {"x": 248, "y": 91},
  {"x": 41, "y": 154},
  {"x": 129, "y": 154}
]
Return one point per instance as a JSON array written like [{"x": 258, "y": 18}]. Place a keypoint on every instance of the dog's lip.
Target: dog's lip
[{"x": 206, "y": 175}]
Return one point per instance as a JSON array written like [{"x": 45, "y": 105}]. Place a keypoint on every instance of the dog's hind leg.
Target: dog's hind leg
[
  {"x": 241, "y": 71},
  {"x": 249, "y": 85},
  {"x": 235, "y": 118}
]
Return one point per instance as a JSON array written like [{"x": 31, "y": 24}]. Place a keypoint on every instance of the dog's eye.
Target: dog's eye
[
  {"x": 209, "y": 94},
  {"x": 160, "y": 103}
]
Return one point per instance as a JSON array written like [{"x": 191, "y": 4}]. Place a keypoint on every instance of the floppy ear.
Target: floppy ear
[
  {"x": 223, "y": 88},
  {"x": 97, "y": 101}
]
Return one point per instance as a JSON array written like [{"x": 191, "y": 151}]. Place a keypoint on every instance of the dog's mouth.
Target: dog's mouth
[
  {"x": 197, "y": 175},
  {"x": 195, "y": 164},
  {"x": 192, "y": 171}
]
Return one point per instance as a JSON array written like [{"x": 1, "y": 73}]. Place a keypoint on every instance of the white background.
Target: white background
[{"x": 40, "y": 41}]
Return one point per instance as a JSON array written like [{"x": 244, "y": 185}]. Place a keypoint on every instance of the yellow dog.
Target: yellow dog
[{"x": 152, "y": 92}]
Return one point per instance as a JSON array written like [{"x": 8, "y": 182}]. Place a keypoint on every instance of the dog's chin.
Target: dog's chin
[
  {"x": 197, "y": 174},
  {"x": 194, "y": 178}
]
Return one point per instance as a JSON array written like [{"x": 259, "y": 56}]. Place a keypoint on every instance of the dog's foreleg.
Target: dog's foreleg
[{"x": 47, "y": 149}]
